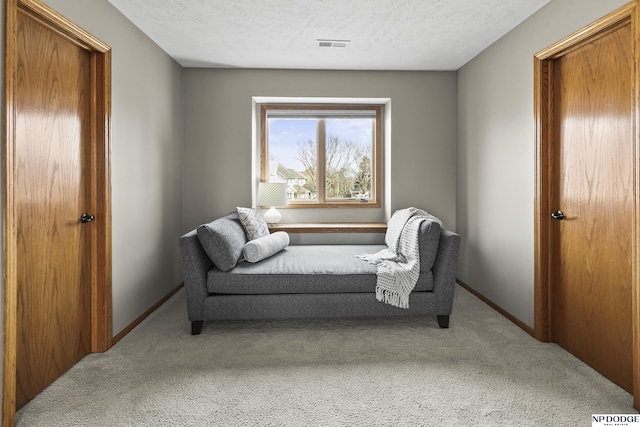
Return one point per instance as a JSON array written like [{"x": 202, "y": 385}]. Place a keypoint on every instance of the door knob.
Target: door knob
[
  {"x": 85, "y": 217},
  {"x": 559, "y": 215}
]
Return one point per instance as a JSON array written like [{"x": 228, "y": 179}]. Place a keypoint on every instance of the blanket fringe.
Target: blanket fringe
[{"x": 391, "y": 297}]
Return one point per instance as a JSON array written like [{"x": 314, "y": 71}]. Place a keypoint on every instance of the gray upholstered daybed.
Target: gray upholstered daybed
[{"x": 306, "y": 281}]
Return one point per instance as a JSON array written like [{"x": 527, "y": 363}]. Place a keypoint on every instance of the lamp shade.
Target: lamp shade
[{"x": 272, "y": 194}]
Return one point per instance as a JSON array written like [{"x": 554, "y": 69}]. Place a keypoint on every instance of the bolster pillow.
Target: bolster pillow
[{"x": 266, "y": 246}]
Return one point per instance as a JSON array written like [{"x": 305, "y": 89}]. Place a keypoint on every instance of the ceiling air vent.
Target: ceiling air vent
[{"x": 333, "y": 43}]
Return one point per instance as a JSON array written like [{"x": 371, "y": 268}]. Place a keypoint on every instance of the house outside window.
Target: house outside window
[{"x": 329, "y": 155}]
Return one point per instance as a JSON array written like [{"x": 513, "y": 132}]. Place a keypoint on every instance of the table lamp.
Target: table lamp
[{"x": 272, "y": 194}]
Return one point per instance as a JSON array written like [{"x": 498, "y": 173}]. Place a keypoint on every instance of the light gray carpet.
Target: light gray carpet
[{"x": 482, "y": 371}]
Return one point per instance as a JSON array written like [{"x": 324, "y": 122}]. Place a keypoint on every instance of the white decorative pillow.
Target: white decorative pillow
[
  {"x": 253, "y": 224},
  {"x": 266, "y": 246}
]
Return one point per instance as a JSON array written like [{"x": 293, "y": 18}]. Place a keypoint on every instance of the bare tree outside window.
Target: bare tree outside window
[
  {"x": 348, "y": 167},
  {"x": 307, "y": 154}
]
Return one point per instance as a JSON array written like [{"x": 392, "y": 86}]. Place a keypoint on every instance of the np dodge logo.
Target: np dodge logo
[{"x": 615, "y": 420}]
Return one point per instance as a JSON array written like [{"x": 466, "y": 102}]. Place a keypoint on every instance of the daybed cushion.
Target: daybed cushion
[
  {"x": 306, "y": 269},
  {"x": 223, "y": 240},
  {"x": 263, "y": 247}
]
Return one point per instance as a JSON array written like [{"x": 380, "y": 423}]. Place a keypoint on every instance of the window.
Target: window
[{"x": 329, "y": 155}]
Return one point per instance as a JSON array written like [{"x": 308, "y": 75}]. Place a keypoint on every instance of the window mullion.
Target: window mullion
[{"x": 321, "y": 175}]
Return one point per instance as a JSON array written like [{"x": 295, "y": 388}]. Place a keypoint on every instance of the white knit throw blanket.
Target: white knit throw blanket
[{"x": 398, "y": 266}]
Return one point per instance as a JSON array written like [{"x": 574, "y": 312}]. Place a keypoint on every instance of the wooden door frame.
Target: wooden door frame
[
  {"x": 100, "y": 200},
  {"x": 543, "y": 113}
]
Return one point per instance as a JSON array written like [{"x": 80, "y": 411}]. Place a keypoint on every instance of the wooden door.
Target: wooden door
[
  {"x": 593, "y": 181},
  {"x": 53, "y": 136},
  {"x": 57, "y": 276}
]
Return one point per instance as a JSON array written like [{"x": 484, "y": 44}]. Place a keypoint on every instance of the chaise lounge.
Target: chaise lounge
[{"x": 306, "y": 281}]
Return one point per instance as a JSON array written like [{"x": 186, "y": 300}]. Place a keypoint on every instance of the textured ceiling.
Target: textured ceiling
[{"x": 384, "y": 34}]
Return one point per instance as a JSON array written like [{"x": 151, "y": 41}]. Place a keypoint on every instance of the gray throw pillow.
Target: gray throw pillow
[
  {"x": 223, "y": 240},
  {"x": 253, "y": 224}
]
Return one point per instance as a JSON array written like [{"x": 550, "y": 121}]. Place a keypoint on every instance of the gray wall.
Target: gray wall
[
  {"x": 495, "y": 181},
  {"x": 420, "y": 153}
]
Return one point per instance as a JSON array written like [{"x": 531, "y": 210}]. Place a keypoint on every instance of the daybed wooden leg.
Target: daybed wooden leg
[
  {"x": 196, "y": 327},
  {"x": 443, "y": 321}
]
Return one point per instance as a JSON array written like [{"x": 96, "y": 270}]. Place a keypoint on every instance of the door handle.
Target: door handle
[
  {"x": 85, "y": 217},
  {"x": 559, "y": 215}
]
